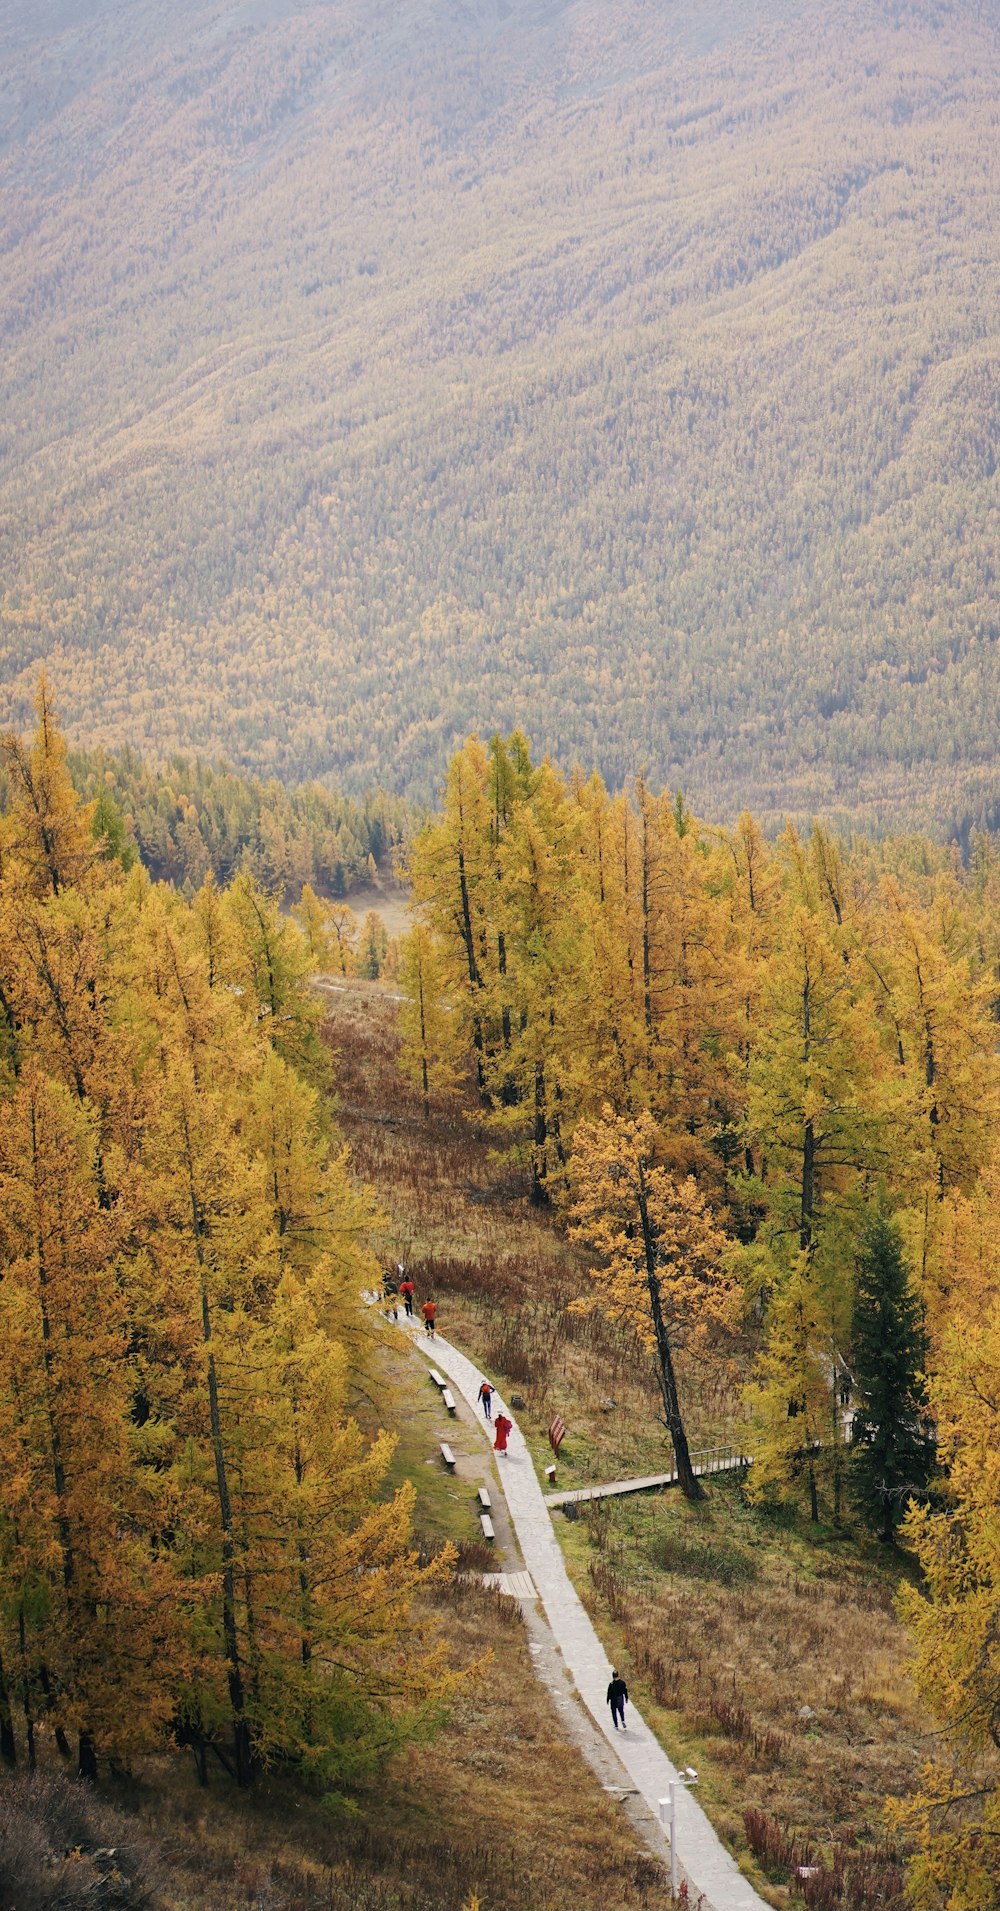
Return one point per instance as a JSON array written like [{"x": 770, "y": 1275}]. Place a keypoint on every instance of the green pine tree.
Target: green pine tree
[{"x": 893, "y": 1449}]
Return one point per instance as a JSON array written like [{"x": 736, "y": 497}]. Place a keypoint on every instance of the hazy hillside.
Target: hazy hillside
[{"x": 376, "y": 370}]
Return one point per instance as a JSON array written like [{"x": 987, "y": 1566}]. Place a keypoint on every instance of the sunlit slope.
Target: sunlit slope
[{"x": 375, "y": 372}]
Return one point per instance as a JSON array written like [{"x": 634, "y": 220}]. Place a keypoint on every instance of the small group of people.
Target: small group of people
[{"x": 397, "y": 1287}]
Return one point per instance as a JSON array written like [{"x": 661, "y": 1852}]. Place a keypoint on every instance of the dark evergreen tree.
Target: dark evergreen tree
[{"x": 893, "y": 1443}]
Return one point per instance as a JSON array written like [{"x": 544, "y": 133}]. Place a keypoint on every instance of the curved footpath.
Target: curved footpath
[{"x": 711, "y": 1873}]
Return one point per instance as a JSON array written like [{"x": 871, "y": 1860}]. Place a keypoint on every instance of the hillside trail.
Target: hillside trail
[{"x": 712, "y": 1876}]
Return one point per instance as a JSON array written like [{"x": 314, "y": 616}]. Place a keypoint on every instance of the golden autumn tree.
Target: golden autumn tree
[
  {"x": 431, "y": 1045},
  {"x": 813, "y": 1114},
  {"x": 954, "y": 1818},
  {"x": 660, "y": 1255},
  {"x": 271, "y": 967},
  {"x": 47, "y": 840},
  {"x": 453, "y": 875},
  {"x": 330, "y": 931},
  {"x": 196, "y": 1545},
  {"x": 611, "y": 1040},
  {"x": 87, "y": 1592},
  {"x": 531, "y": 1073},
  {"x": 793, "y": 1400}
]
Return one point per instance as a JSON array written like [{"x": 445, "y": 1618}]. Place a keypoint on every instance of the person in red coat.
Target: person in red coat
[{"x": 503, "y": 1427}]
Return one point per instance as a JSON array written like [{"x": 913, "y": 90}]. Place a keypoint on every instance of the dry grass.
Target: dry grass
[
  {"x": 729, "y": 1622},
  {"x": 730, "y": 1625},
  {"x": 505, "y": 1277},
  {"x": 499, "y": 1806},
  {"x": 64, "y": 1849}
]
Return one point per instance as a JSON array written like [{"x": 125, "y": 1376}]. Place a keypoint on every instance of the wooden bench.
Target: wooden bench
[
  {"x": 447, "y": 1456},
  {"x": 484, "y": 1499},
  {"x": 487, "y": 1525},
  {"x": 438, "y": 1379},
  {"x": 448, "y": 1398}
]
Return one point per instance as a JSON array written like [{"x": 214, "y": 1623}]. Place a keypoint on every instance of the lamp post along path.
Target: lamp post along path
[{"x": 668, "y": 1817}]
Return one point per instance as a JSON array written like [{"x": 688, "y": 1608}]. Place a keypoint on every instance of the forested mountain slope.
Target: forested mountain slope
[{"x": 374, "y": 371}]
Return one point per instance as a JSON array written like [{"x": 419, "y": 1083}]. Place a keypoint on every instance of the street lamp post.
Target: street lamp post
[{"x": 668, "y": 1818}]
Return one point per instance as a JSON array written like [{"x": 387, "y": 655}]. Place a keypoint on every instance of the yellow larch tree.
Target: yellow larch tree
[
  {"x": 431, "y": 1052},
  {"x": 660, "y": 1255}
]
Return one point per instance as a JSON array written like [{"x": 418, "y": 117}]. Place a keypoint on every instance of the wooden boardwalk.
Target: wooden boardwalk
[
  {"x": 718, "y": 1460},
  {"x": 515, "y": 1585}
]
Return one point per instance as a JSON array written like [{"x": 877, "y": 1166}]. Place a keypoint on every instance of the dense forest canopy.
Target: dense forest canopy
[
  {"x": 195, "y": 1543},
  {"x": 188, "y": 819},
  {"x": 761, "y": 1082},
  {"x": 376, "y": 373}
]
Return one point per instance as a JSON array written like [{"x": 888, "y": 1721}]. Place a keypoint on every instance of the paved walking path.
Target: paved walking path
[
  {"x": 645, "y": 1485},
  {"x": 711, "y": 1873}
]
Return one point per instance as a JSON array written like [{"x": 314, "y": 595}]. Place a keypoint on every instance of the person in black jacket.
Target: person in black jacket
[{"x": 617, "y": 1696}]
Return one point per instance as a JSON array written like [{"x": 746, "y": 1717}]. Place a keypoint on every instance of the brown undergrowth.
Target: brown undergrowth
[
  {"x": 496, "y": 1808},
  {"x": 767, "y": 1655},
  {"x": 765, "y": 1651},
  {"x": 505, "y": 1278}
]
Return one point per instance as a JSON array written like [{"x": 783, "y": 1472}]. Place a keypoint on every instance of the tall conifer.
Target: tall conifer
[{"x": 892, "y": 1448}]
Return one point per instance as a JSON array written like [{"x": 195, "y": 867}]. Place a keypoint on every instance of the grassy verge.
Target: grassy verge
[{"x": 766, "y": 1654}]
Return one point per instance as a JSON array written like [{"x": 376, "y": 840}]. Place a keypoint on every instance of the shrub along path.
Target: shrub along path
[{"x": 711, "y": 1872}]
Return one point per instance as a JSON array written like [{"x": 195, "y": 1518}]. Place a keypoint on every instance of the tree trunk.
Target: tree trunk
[
  {"x": 505, "y": 1006},
  {"x": 55, "y": 1440},
  {"x": 8, "y": 1743},
  {"x": 87, "y": 1758},
  {"x": 26, "y": 1707},
  {"x": 234, "y": 1670},
  {"x": 687, "y": 1479},
  {"x": 62, "y": 1742},
  {"x": 475, "y": 980},
  {"x": 539, "y": 1192},
  {"x": 813, "y": 1495},
  {"x": 808, "y": 1187},
  {"x": 424, "y": 1077}
]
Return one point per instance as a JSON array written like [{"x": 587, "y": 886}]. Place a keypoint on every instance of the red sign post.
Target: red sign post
[{"x": 557, "y": 1434}]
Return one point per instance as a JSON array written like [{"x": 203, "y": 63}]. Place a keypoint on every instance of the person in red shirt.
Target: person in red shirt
[
  {"x": 503, "y": 1427},
  {"x": 406, "y": 1290},
  {"x": 429, "y": 1316}
]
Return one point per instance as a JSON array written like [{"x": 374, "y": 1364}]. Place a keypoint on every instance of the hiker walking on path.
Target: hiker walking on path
[
  {"x": 617, "y": 1698},
  {"x": 429, "y": 1316},
  {"x": 503, "y": 1427},
  {"x": 486, "y": 1397},
  {"x": 406, "y": 1290}
]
